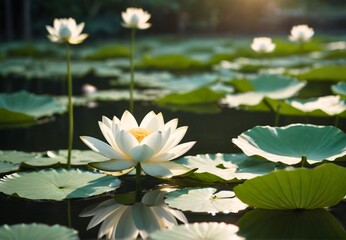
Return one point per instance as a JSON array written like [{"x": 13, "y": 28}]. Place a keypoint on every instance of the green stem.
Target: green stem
[
  {"x": 277, "y": 114},
  {"x": 304, "y": 161},
  {"x": 132, "y": 67},
  {"x": 138, "y": 182},
  {"x": 70, "y": 106},
  {"x": 69, "y": 217},
  {"x": 336, "y": 122},
  {"x": 265, "y": 101}
]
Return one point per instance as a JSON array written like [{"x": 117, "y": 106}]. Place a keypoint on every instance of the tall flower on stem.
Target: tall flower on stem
[
  {"x": 149, "y": 146},
  {"x": 301, "y": 34},
  {"x": 65, "y": 30},
  {"x": 134, "y": 18}
]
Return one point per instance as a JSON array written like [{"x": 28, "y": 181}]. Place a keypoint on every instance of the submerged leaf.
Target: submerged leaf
[{"x": 300, "y": 188}]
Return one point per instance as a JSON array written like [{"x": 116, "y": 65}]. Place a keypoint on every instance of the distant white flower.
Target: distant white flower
[
  {"x": 301, "y": 33},
  {"x": 199, "y": 231},
  {"x": 128, "y": 221},
  {"x": 152, "y": 143},
  {"x": 135, "y": 18},
  {"x": 66, "y": 30},
  {"x": 88, "y": 89},
  {"x": 262, "y": 45}
]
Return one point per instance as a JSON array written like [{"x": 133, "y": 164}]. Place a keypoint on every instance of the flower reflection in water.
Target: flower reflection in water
[{"x": 121, "y": 221}]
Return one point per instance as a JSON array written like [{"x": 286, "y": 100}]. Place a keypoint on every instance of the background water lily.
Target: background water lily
[
  {"x": 301, "y": 33},
  {"x": 66, "y": 30},
  {"x": 262, "y": 45},
  {"x": 130, "y": 221},
  {"x": 135, "y": 18},
  {"x": 150, "y": 145}
]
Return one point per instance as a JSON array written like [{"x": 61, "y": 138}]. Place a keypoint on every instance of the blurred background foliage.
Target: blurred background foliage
[{"x": 26, "y": 19}]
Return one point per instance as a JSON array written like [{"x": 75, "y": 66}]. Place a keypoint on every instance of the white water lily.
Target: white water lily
[
  {"x": 135, "y": 18},
  {"x": 66, "y": 30},
  {"x": 301, "y": 33},
  {"x": 262, "y": 45},
  {"x": 199, "y": 231},
  {"x": 152, "y": 144},
  {"x": 128, "y": 221}
]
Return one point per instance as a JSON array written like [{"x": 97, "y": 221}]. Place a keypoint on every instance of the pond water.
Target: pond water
[{"x": 213, "y": 133}]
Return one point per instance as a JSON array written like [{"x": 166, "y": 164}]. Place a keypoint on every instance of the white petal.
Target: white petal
[
  {"x": 126, "y": 141},
  {"x": 144, "y": 26},
  {"x": 107, "y": 121},
  {"x": 156, "y": 170},
  {"x": 175, "y": 152},
  {"x": 154, "y": 141},
  {"x": 141, "y": 153},
  {"x": 108, "y": 134},
  {"x": 114, "y": 165},
  {"x": 175, "y": 138},
  {"x": 101, "y": 147},
  {"x": 128, "y": 121}
]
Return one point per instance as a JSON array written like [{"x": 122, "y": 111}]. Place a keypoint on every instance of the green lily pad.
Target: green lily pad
[
  {"x": 205, "y": 200},
  {"x": 11, "y": 160},
  {"x": 37, "y": 231},
  {"x": 325, "y": 73},
  {"x": 339, "y": 89},
  {"x": 330, "y": 105},
  {"x": 58, "y": 184},
  {"x": 201, "y": 95},
  {"x": 300, "y": 188},
  {"x": 23, "y": 106},
  {"x": 79, "y": 158},
  {"x": 310, "y": 224},
  {"x": 225, "y": 167},
  {"x": 291, "y": 143}
]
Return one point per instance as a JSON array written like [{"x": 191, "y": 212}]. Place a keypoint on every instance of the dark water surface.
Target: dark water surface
[{"x": 213, "y": 133}]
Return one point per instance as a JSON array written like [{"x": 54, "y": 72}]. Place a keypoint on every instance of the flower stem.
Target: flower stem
[
  {"x": 132, "y": 67},
  {"x": 138, "y": 182},
  {"x": 70, "y": 106}
]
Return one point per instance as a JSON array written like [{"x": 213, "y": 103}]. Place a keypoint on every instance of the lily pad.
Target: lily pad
[
  {"x": 300, "y": 188},
  {"x": 37, "y": 231},
  {"x": 325, "y": 73},
  {"x": 11, "y": 160},
  {"x": 225, "y": 167},
  {"x": 339, "y": 88},
  {"x": 23, "y": 106},
  {"x": 58, "y": 184},
  {"x": 79, "y": 158},
  {"x": 331, "y": 105},
  {"x": 268, "y": 224},
  {"x": 291, "y": 143},
  {"x": 201, "y": 95},
  {"x": 205, "y": 200},
  {"x": 198, "y": 231},
  {"x": 6, "y": 167}
]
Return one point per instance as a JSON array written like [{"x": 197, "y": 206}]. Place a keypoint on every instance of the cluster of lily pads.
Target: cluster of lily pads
[{"x": 299, "y": 166}]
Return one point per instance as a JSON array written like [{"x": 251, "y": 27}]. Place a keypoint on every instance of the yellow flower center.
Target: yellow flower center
[{"x": 140, "y": 133}]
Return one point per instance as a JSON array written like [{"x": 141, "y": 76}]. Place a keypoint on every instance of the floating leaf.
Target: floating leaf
[
  {"x": 58, "y": 184},
  {"x": 201, "y": 95},
  {"x": 300, "y": 188},
  {"x": 8, "y": 167},
  {"x": 268, "y": 224},
  {"x": 331, "y": 105},
  {"x": 198, "y": 231},
  {"x": 37, "y": 231},
  {"x": 290, "y": 143},
  {"x": 205, "y": 200},
  {"x": 225, "y": 167},
  {"x": 79, "y": 158},
  {"x": 325, "y": 73},
  {"x": 11, "y": 160},
  {"x": 22, "y": 106},
  {"x": 339, "y": 88}
]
